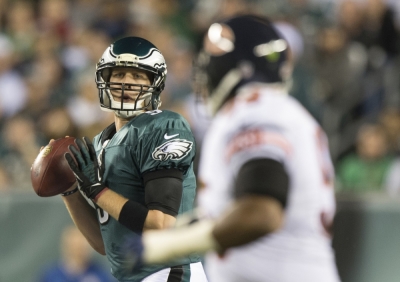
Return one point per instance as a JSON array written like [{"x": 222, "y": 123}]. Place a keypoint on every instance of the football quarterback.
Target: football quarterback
[{"x": 138, "y": 171}]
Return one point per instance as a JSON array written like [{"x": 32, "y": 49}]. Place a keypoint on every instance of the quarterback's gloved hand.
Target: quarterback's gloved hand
[
  {"x": 133, "y": 252},
  {"x": 88, "y": 173}
]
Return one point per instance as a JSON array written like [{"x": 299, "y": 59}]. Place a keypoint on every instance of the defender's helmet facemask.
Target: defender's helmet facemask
[
  {"x": 240, "y": 50},
  {"x": 131, "y": 52}
]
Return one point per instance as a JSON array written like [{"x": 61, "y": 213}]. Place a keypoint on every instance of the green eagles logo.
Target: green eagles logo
[{"x": 174, "y": 149}]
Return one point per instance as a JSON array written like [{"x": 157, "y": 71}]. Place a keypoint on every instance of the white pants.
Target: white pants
[
  {"x": 197, "y": 274},
  {"x": 248, "y": 268}
]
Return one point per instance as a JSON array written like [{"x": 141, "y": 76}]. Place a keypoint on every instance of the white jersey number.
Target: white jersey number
[
  {"x": 154, "y": 112},
  {"x": 103, "y": 216}
]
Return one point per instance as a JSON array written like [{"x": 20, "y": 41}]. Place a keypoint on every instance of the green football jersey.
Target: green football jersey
[{"x": 151, "y": 141}]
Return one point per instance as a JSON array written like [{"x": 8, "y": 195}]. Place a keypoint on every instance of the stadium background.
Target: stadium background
[{"x": 347, "y": 75}]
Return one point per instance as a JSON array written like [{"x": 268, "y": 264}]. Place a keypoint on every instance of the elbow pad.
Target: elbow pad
[
  {"x": 263, "y": 177},
  {"x": 163, "y": 190}
]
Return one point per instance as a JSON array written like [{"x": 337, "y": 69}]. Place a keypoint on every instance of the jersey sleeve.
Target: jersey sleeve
[{"x": 168, "y": 145}]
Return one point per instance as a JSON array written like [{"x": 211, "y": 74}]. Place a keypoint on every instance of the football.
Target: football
[{"x": 50, "y": 172}]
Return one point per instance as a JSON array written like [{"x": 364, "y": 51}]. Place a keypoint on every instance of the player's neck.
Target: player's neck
[{"x": 120, "y": 122}]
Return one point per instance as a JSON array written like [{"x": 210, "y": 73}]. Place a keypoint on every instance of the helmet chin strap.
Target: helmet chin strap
[
  {"x": 129, "y": 108},
  {"x": 127, "y": 114}
]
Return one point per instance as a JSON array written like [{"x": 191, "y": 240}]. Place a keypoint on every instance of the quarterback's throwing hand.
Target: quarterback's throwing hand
[{"x": 88, "y": 173}]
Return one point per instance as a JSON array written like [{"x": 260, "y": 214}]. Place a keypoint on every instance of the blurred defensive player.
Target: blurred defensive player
[{"x": 265, "y": 169}]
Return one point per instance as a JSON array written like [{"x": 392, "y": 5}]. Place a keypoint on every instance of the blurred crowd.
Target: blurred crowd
[
  {"x": 346, "y": 72},
  {"x": 76, "y": 262}
]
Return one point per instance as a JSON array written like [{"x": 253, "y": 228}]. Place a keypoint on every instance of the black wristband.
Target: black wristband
[
  {"x": 70, "y": 192},
  {"x": 133, "y": 215}
]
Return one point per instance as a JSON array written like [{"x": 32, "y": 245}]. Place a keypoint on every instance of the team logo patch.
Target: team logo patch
[{"x": 174, "y": 149}]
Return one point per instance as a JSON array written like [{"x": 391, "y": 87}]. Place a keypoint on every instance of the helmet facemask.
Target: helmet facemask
[{"x": 146, "y": 97}]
